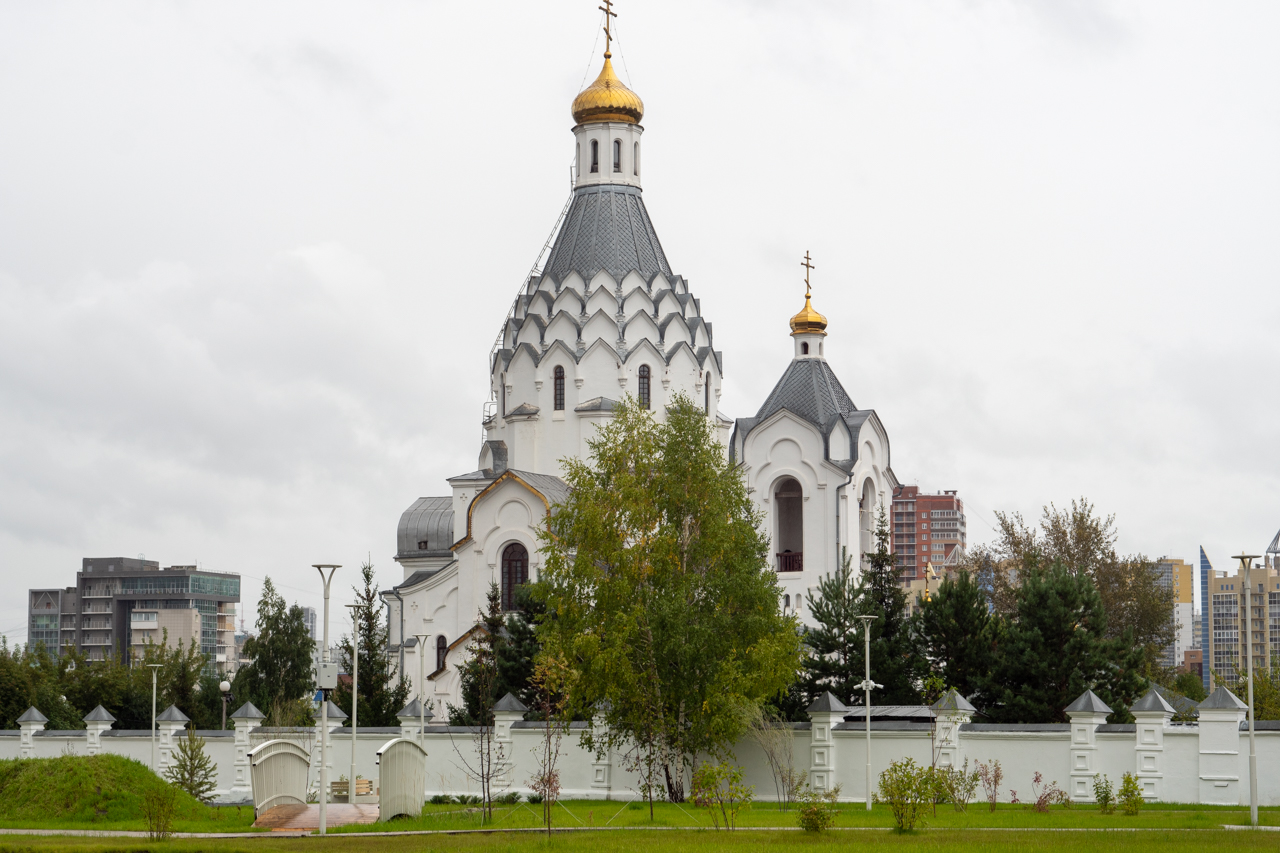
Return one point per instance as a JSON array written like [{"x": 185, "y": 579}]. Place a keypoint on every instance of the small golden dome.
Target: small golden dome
[
  {"x": 808, "y": 321},
  {"x": 607, "y": 100}
]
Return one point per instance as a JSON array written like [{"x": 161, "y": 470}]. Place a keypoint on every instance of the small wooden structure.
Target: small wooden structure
[
  {"x": 279, "y": 771},
  {"x": 364, "y": 788},
  {"x": 402, "y": 778}
]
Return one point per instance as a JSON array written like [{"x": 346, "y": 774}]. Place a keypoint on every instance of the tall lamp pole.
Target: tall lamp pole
[
  {"x": 422, "y": 683},
  {"x": 154, "y": 668},
  {"x": 866, "y": 685},
  {"x": 324, "y": 698},
  {"x": 225, "y": 687},
  {"x": 355, "y": 693},
  {"x": 1246, "y": 560}
]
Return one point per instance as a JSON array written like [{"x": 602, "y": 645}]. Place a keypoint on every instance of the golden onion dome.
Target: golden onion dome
[
  {"x": 808, "y": 321},
  {"x": 607, "y": 100}
]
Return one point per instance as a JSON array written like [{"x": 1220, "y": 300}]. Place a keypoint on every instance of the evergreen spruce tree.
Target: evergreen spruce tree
[
  {"x": 897, "y": 660},
  {"x": 1054, "y": 648},
  {"x": 835, "y": 642},
  {"x": 382, "y": 695},
  {"x": 193, "y": 770},
  {"x": 959, "y": 634},
  {"x": 479, "y": 672}
]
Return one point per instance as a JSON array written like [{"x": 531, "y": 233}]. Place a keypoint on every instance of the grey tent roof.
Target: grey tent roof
[
  {"x": 1221, "y": 699},
  {"x": 510, "y": 703},
  {"x": 551, "y": 487},
  {"x": 827, "y": 703},
  {"x": 1181, "y": 704},
  {"x": 607, "y": 228},
  {"x": 31, "y": 715},
  {"x": 523, "y": 409},
  {"x": 953, "y": 701},
  {"x": 596, "y": 404},
  {"x": 809, "y": 389},
  {"x": 172, "y": 715},
  {"x": 247, "y": 711},
  {"x": 99, "y": 715},
  {"x": 414, "y": 710},
  {"x": 335, "y": 713},
  {"x": 1088, "y": 703},
  {"x": 1153, "y": 702},
  {"x": 426, "y": 526}
]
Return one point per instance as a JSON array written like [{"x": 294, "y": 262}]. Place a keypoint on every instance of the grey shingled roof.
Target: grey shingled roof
[
  {"x": 1088, "y": 703},
  {"x": 827, "y": 703},
  {"x": 510, "y": 703},
  {"x": 429, "y": 521},
  {"x": 99, "y": 715},
  {"x": 809, "y": 389},
  {"x": 1153, "y": 703},
  {"x": 248, "y": 711},
  {"x": 172, "y": 715},
  {"x": 335, "y": 713},
  {"x": 1222, "y": 699},
  {"x": 31, "y": 715},
  {"x": 552, "y": 488},
  {"x": 953, "y": 701},
  {"x": 414, "y": 710},
  {"x": 607, "y": 228},
  {"x": 597, "y": 404}
]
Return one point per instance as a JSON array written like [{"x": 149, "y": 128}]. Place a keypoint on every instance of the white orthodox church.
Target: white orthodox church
[{"x": 608, "y": 317}]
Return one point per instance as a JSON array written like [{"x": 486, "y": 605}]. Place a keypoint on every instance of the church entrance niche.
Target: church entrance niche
[
  {"x": 788, "y": 502},
  {"x": 515, "y": 572}
]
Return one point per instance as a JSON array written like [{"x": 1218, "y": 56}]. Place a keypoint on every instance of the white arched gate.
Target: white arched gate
[
  {"x": 279, "y": 772},
  {"x": 402, "y": 778}
]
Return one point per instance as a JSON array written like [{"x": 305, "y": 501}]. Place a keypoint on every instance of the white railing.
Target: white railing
[
  {"x": 278, "y": 773},
  {"x": 402, "y": 778}
]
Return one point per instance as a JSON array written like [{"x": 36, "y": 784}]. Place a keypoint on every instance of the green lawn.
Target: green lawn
[{"x": 681, "y": 841}]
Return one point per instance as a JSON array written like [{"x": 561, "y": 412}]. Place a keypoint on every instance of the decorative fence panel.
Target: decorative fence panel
[
  {"x": 279, "y": 771},
  {"x": 402, "y": 778}
]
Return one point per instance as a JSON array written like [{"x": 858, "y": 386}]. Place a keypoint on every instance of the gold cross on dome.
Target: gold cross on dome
[
  {"x": 607, "y": 8},
  {"x": 808, "y": 265}
]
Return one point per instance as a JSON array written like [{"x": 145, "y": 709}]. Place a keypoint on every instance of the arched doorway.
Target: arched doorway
[
  {"x": 788, "y": 503},
  {"x": 515, "y": 572}
]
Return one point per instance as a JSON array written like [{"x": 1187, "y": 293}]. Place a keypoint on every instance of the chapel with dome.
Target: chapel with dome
[{"x": 604, "y": 317}]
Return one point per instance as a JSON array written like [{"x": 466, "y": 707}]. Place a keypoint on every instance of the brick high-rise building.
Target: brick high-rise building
[{"x": 926, "y": 529}]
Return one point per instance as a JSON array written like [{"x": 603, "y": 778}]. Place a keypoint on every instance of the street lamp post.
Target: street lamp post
[
  {"x": 324, "y": 698},
  {"x": 866, "y": 685},
  {"x": 355, "y": 694},
  {"x": 225, "y": 687},
  {"x": 1246, "y": 560},
  {"x": 422, "y": 684},
  {"x": 154, "y": 667}
]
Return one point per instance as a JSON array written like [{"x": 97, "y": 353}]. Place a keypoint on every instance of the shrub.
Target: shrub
[
  {"x": 158, "y": 806},
  {"x": 817, "y": 810},
  {"x": 1043, "y": 794},
  {"x": 959, "y": 785},
  {"x": 1130, "y": 794},
  {"x": 1104, "y": 794},
  {"x": 991, "y": 776},
  {"x": 719, "y": 787},
  {"x": 468, "y": 799},
  {"x": 510, "y": 798},
  {"x": 441, "y": 800},
  {"x": 535, "y": 799},
  {"x": 907, "y": 788}
]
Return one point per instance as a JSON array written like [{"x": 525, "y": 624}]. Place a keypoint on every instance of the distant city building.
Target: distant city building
[
  {"x": 1179, "y": 575},
  {"x": 309, "y": 617},
  {"x": 1221, "y": 595},
  {"x": 927, "y": 529},
  {"x": 1192, "y": 661},
  {"x": 120, "y": 604}
]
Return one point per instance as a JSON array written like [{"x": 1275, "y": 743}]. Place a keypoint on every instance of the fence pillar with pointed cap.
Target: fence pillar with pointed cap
[
  {"x": 96, "y": 722},
  {"x": 168, "y": 725},
  {"x": 411, "y": 717},
  {"x": 950, "y": 713},
  {"x": 29, "y": 723},
  {"x": 826, "y": 712},
  {"x": 1152, "y": 714},
  {"x": 1086, "y": 714},
  {"x": 602, "y": 761},
  {"x": 509, "y": 710},
  {"x": 245, "y": 719},
  {"x": 1220, "y": 717}
]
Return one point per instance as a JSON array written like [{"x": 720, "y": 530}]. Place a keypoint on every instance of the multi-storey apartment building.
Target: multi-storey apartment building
[
  {"x": 120, "y": 604},
  {"x": 1178, "y": 575},
  {"x": 1223, "y": 595},
  {"x": 927, "y": 529}
]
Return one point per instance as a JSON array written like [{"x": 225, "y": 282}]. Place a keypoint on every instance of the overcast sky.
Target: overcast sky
[{"x": 253, "y": 256}]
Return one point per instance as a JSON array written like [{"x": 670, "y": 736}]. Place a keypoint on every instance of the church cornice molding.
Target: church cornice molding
[{"x": 507, "y": 475}]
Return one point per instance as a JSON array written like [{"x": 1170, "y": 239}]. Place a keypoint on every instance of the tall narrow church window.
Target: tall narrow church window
[
  {"x": 617, "y": 155},
  {"x": 595, "y": 156},
  {"x": 442, "y": 649},
  {"x": 804, "y": 349},
  {"x": 559, "y": 389},
  {"x": 635, "y": 159},
  {"x": 644, "y": 386},
  {"x": 788, "y": 502},
  {"x": 515, "y": 572},
  {"x": 786, "y": 602},
  {"x": 706, "y": 392}
]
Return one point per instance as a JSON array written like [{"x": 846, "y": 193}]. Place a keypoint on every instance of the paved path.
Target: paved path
[{"x": 300, "y": 817}]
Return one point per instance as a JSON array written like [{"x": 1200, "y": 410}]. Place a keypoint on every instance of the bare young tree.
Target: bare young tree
[
  {"x": 482, "y": 670},
  {"x": 777, "y": 741},
  {"x": 549, "y": 677}
]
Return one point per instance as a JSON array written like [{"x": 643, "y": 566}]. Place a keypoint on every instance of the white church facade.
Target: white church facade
[{"x": 605, "y": 318}]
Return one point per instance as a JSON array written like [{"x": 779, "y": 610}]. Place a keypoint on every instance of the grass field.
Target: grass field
[{"x": 686, "y": 841}]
